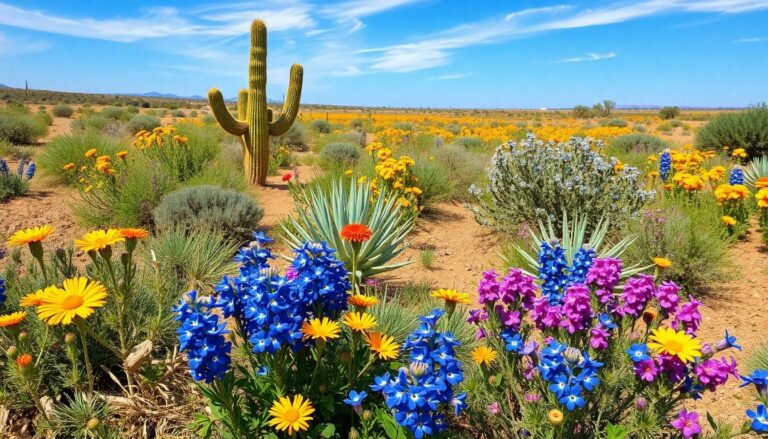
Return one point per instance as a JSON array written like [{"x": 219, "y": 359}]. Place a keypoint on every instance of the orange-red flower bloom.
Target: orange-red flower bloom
[
  {"x": 356, "y": 233},
  {"x": 23, "y": 360}
]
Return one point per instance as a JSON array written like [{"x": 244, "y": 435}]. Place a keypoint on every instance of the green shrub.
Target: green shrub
[
  {"x": 295, "y": 139},
  {"x": 582, "y": 112},
  {"x": 434, "y": 181},
  {"x": 143, "y": 122},
  {"x": 63, "y": 111},
  {"x": 21, "y": 129},
  {"x": 689, "y": 234},
  {"x": 12, "y": 184},
  {"x": 356, "y": 123},
  {"x": 669, "y": 112},
  {"x": 321, "y": 126},
  {"x": 178, "y": 113},
  {"x": 639, "y": 143},
  {"x": 534, "y": 181},
  {"x": 469, "y": 142},
  {"x": 71, "y": 149},
  {"x": 614, "y": 122},
  {"x": 132, "y": 109},
  {"x": 12, "y": 151},
  {"x": 405, "y": 126},
  {"x": 747, "y": 129},
  {"x": 44, "y": 117},
  {"x": 340, "y": 155},
  {"x": 464, "y": 168},
  {"x": 114, "y": 113},
  {"x": 194, "y": 208}
]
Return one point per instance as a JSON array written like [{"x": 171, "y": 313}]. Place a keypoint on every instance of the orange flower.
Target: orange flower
[
  {"x": 356, "y": 233},
  {"x": 362, "y": 301},
  {"x": 10, "y": 320},
  {"x": 761, "y": 183},
  {"x": 122, "y": 155},
  {"x": 91, "y": 152},
  {"x": 23, "y": 360},
  {"x": 134, "y": 233},
  {"x": 69, "y": 166}
]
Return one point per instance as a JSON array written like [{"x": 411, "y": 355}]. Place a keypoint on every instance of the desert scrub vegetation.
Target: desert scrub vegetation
[
  {"x": 71, "y": 149},
  {"x": 142, "y": 122},
  {"x": 533, "y": 181},
  {"x": 746, "y": 129},
  {"x": 340, "y": 155},
  {"x": 15, "y": 184},
  {"x": 209, "y": 208},
  {"x": 20, "y": 127},
  {"x": 63, "y": 111},
  {"x": 638, "y": 143}
]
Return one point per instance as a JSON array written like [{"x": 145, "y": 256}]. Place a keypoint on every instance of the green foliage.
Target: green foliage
[
  {"x": 582, "y": 112},
  {"x": 191, "y": 261},
  {"x": 470, "y": 142},
  {"x": 340, "y": 155},
  {"x": 142, "y": 122},
  {"x": 689, "y": 234},
  {"x": 63, "y": 111},
  {"x": 405, "y": 126},
  {"x": 747, "y": 129},
  {"x": 614, "y": 122},
  {"x": 323, "y": 212},
  {"x": 12, "y": 185},
  {"x": 71, "y": 149},
  {"x": 669, "y": 112},
  {"x": 639, "y": 143},
  {"x": 94, "y": 121},
  {"x": 464, "y": 168},
  {"x": 21, "y": 128},
  {"x": 14, "y": 152},
  {"x": 535, "y": 181},
  {"x": 758, "y": 359},
  {"x": 45, "y": 117},
  {"x": 210, "y": 208},
  {"x": 321, "y": 126},
  {"x": 178, "y": 113},
  {"x": 604, "y": 109},
  {"x": 756, "y": 168},
  {"x": 295, "y": 139},
  {"x": 427, "y": 258},
  {"x": 71, "y": 418},
  {"x": 115, "y": 113},
  {"x": 435, "y": 182}
]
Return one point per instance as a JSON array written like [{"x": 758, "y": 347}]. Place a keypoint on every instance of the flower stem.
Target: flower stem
[{"x": 86, "y": 358}]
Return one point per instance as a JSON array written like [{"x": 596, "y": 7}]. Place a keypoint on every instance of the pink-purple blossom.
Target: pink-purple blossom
[
  {"x": 688, "y": 316},
  {"x": 667, "y": 296},
  {"x": 687, "y": 423},
  {"x": 604, "y": 273}
]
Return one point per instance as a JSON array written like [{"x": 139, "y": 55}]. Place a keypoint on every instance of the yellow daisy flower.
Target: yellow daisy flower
[
  {"x": 483, "y": 355},
  {"x": 382, "y": 345},
  {"x": 99, "y": 240},
  {"x": 79, "y": 298},
  {"x": 36, "y": 298},
  {"x": 675, "y": 343},
  {"x": 30, "y": 235},
  {"x": 322, "y": 329},
  {"x": 662, "y": 262},
  {"x": 451, "y": 296},
  {"x": 728, "y": 220},
  {"x": 359, "y": 321},
  {"x": 12, "y": 319},
  {"x": 293, "y": 416},
  {"x": 362, "y": 301}
]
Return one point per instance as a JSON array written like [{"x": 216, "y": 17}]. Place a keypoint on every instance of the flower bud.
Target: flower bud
[
  {"x": 70, "y": 338},
  {"x": 367, "y": 415},
  {"x": 345, "y": 357},
  {"x": 555, "y": 417},
  {"x": 641, "y": 403},
  {"x": 61, "y": 255},
  {"x": 353, "y": 434},
  {"x": 322, "y": 387},
  {"x": 492, "y": 380},
  {"x": 23, "y": 336},
  {"x": 12, "y": 352},
  {"x": 572, "y": 354},
  {"x": 649, "y": 315},
  {"x": 93, "y": 424},
  {"x": 634, "y": 335},
  {"x": 418, "y": 369}
]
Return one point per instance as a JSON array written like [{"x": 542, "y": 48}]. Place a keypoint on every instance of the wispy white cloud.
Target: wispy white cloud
[
  {"x": 450, "y": 77},
  {"x": 750, "y": 40},
  {"x": 352, "y": 9},
  {"x": 590, "y": 56}
]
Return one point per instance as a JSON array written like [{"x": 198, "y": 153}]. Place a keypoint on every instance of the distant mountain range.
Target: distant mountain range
[{"x": 154, "y": 94}]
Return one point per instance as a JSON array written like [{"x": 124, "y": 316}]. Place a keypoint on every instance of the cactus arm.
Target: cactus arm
[
  {"x": 242, "y": 104},
  {"x": 291, "y": 104},
  {"x": 223, "y": 116}
]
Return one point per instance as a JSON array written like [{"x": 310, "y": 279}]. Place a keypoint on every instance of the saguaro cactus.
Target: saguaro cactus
[{"x": 254, "y": 124}]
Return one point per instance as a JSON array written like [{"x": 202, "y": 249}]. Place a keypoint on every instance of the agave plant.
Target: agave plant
[
  {"x": 755, "y": 169},
  {"x": 326, "y": 211},
  {"x": 572, "y": 238}
]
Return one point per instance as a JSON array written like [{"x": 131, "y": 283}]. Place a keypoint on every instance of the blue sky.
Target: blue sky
[{"x": 416, "y": 53}]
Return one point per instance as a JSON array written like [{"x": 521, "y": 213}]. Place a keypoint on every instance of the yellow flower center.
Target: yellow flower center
[
  {"x": 72, "y": 302},
  {"x": 673, "y": 347},
  {"x": 291, "y": 415}
]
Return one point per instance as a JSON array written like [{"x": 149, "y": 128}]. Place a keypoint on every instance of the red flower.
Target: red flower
[
  {"x": 24, "y": 360},
  {"x": 356, "y": 233},
  {"x": 287, "y": 176}
]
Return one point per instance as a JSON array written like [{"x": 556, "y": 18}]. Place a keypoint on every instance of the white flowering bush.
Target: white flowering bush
[{"x": 533, "y": 181}]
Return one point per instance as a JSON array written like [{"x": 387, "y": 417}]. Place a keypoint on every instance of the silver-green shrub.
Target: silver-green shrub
[{"x": 534, "y": 181}]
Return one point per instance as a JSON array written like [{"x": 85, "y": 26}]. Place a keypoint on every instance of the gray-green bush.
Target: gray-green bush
[
  {"x": 747, "y": 129},
  {"x": 295, "y": 139},
  {"x": 211, "y": 208},
  {"x": 63, "y": 111},
  {"x": 639, "y": 143},
  {"x": 321, "y": 126},
  {"x": 141, "y": 122},
  {"x": 21, "y": 128},
  {"x": 337, "y": 155}
]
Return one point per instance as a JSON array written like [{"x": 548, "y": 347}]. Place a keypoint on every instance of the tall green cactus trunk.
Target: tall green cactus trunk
[{"x": 255, "y": 123}]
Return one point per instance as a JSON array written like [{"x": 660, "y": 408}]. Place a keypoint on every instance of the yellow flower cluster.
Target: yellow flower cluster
[
  {"x": 688, "y": 182},
  {"x": 101, "y": 170},
  {"x": 158, "y": 137},
  {"x": 727, "y": 193},
  {"x": 395, "y": 174},
  {"x": 762, "y": 198}
]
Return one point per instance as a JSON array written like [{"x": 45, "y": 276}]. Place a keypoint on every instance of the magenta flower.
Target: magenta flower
[
  {"x": 713, "y": 373},
  {"x": 667, "y": 296},
  {"x": 641, "y": 403},
  {"x": 638, "y": 291},
  {"x": 545, "y": 315},
  {"x": 672, "y": 366},
  {"x": 599, "y": 338},
  {"x": 577, "y": 308},
  {"x": 604, "y": 273},
  {"x": 687, "y": 423},
  {"x": 477, "y": 315},
  {"x": 508, "y": 318},
  {"x": 518, "y": 287},
  {"x": 372, "y": 282},
  {"x": 532, "y": 397},
  {"x": 494, "y": 408},
  {"x": 646, "y": 370},
  {"x": 688, "y": 317},
  {"x": 488, "y": 290}
]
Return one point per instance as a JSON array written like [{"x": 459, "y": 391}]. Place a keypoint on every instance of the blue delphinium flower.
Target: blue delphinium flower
[
  {"x": 201, "y": 335},
  {"x": 30, "y": 171},
  {"x": 569, "y": 372},
  {"x": 419, "y": 391},
  {"x": 3, "y": 167},
  {"x": 553, "y": 271},
  {"x": 271, "y": 308},
  {"x": 737, "y": 176},
  {"x": 2, "y": 292},
  {"x": 759, "y": 418},
  {"x": 582, "y": 261},
  {"x": 665, "y": 163},
  {"x": 638, "y": 352}
]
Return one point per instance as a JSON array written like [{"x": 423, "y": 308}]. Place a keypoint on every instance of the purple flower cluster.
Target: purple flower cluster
[
  {"x": 637, "y": 292},
  {"x": 667, "y": 296},
  {"x": 604, "y": 276},
  {"x": 688, "y": 317},
  {"x": 506, "y": 298},
  {"x": 712, "y": 373},
  {"x": 577, "y": 309}
]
